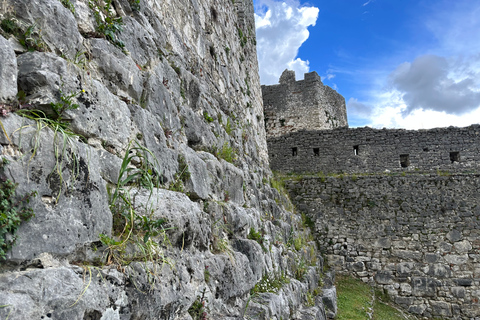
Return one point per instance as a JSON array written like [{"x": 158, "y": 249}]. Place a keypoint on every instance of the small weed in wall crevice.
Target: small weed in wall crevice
[
  {"x": 181, "y": 176},
  {"x": 29, "y": 36},
  {"x": 69, "y": 5},
  {"x": 198, "y": 310},
  {"x": 270, "y": 282},
  {"x": 107, "y": 24},
  {"x": 13, "y": 211}
]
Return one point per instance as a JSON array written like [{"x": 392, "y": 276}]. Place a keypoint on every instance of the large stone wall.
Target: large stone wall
[
  {"x": 306, "y": 104},
  {"x": 376, "y": 150},
  {"x": 417, "y": 237},
  {"x": 179, "y": 78}
]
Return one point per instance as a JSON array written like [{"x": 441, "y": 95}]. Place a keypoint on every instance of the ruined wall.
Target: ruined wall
[
  {"x": 415, "y": 236},
  {"x": 306, "y": 104},
  {"x": 156, "y": 104},
  {"x": 376, "y": 150}
]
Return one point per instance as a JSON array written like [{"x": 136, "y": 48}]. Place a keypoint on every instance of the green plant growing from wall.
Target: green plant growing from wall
[
  {"x": 64, "y": 139},
  {"x": 270, "y": 282},
  {"x": 243, "y": 38},
  {"x": 107, "y": 24},
  {"x": 13, "y": 211},
  {"x": 69, "y": 5},
  {"x": 227, "y": 153},
  {"x": 228, "y": 127},
  {"x": 139, "y": 170},
  {"x": 135, "y": 5},
  {"x": 198, "y": 310},
  {"x": 181, "y": 176},
  {"x": 207, "y": 117},
  {"x": 28, "y": 36}
]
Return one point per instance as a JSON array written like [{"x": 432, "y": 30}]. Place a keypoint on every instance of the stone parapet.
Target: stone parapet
[{"x": 364, "y": 150}]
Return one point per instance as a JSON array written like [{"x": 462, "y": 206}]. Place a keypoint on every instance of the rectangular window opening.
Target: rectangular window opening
[
  {"x": 316, "y": 152},
  {"x": 294, "y": 151},
  {"x": 455, "y": 156},
  {"x": 404, "y": 160},
  {"x": 355, "y": 150}
]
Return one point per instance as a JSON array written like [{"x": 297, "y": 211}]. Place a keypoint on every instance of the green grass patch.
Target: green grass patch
[{"x": 354, "y": 298}]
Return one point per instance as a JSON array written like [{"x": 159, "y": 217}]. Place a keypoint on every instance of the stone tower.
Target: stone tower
[{"x": 306, "y": 104}]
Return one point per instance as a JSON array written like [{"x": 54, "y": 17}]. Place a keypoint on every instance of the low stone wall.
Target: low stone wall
[
  {"x": 415, "y": 236},
  {"x": 376, "y": 150}
]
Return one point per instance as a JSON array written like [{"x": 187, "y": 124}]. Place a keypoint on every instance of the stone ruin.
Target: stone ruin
[
  {"x": 287, "y": 103},
  {"x": 396, "y": 208}
]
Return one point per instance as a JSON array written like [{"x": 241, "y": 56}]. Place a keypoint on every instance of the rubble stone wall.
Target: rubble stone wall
[
  {"x": 376, "y": 150},
  {"x": 417, "y": 237}
]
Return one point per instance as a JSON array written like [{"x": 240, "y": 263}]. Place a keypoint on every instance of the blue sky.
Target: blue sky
[{"x": 406, "y": 64}]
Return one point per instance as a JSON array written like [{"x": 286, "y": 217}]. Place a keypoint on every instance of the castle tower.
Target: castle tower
[{"x": 306, "y": 104}]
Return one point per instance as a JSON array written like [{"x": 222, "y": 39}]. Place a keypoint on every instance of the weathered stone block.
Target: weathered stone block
[
  {"x": 384, "y": 277},
  {"x": 440, "y": 308},
  {"x": 8, "y": 71},
  {"x": 424, "y": 287}
]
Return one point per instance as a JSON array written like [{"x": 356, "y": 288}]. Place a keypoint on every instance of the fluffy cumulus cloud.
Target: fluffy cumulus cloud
[
  {"x": 437, "y": 89},
  {"x": 281, "y": 30},
  {"x": 432, "y": 82}
]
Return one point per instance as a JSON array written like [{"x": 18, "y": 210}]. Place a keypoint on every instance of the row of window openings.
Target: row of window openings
[{"x": 404, "y": 158}]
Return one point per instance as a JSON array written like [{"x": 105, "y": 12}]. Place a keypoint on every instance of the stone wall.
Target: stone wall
[
  {"x": 306, "y": 104},
  {"x": 417, "y": 237},
  {"x": 163, "y": 104},
  {"x": 376, "y": 150}
]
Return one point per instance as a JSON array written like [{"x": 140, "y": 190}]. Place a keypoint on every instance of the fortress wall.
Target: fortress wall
[
  {"x": 415, "y": 236},
  {"x": 376, "y": 150},
  {"x": 286, "y": 104}
]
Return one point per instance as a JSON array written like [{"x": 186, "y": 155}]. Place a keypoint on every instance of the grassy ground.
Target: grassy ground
[{"x": 355, "y": 302}]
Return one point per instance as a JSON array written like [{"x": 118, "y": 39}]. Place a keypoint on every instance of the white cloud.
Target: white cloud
[
  {"x": 437, "y": 89},
  {"x": 281, "y": 30}
]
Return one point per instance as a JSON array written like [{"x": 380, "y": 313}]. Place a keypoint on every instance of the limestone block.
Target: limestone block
[
  {"x": 462, "y": 246},
  {"x": 189, "y": 223},
  {"x": 336, "y": 261},
  {"x": 84, "y": 17},
  {"x": 117, "y": 71},
  {"x": 233, "y": 182},
  {"x": 439, "y": 270},
  {"x": 417, "y": 309},
  {"x": 384, "y": 243},
  {"x": 441, "y": 308},
  {"x": 424, "y": 287},
  {"x": 384, "y": 277},
  {"x": 70, "y": 211},
  {"x": 198, "y": 182},
  {"x": 458, "y": 292},
  {"x": 432, "y": 257},
  {"x": 456, "y": 259},
  {"x": 100, "y": 114},
  {"x": 464, "y": 282},
  {"x": 59, "y": 33},
  {"x": 161, "y": 88},
  {"x": 60, "y": 290},
  {"x": 454, "y": 236},
  {"x": 405, "y": 288},
  {"x": 408, "y": 255},
  {"x": 154, "y": 139},
  {"x": 8, "y": 71},
  {"x": 139, "y": 39},
  {"x": 253, "y": 251},
  {"x": 329, "y": 298}
]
